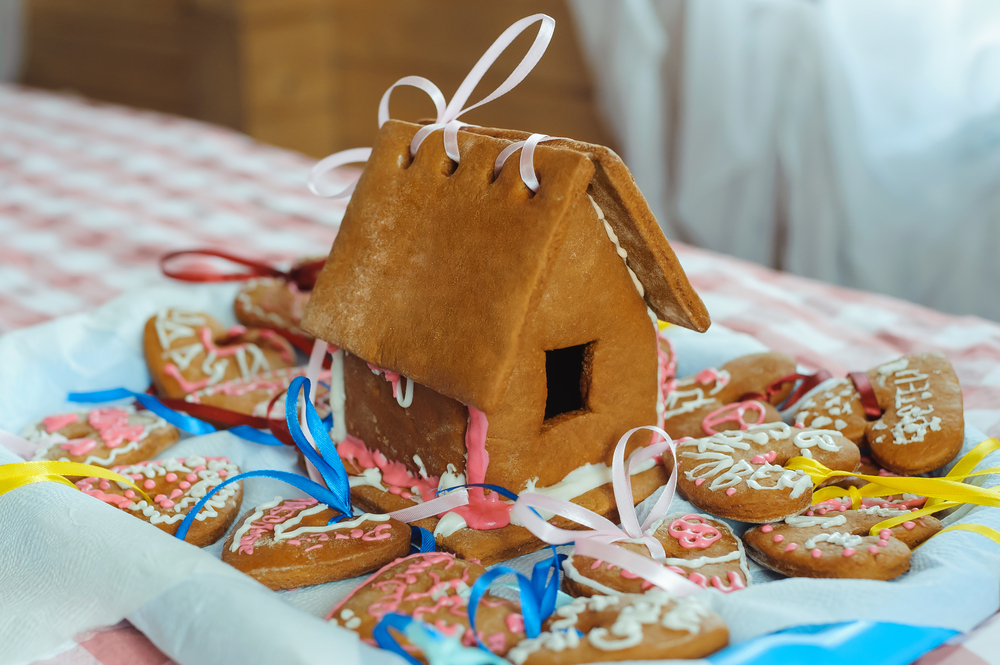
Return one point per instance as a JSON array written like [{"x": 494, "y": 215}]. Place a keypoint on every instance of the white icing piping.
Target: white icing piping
[
  {"x": 618, "y": 248},
  {"x": 338, "y": 398}
]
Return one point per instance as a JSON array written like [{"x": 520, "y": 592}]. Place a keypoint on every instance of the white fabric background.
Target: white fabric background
[{"x": 855, "y": 141}]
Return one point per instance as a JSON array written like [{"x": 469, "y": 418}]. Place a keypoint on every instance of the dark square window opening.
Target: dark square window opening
[{"x": 567, "y": 382}]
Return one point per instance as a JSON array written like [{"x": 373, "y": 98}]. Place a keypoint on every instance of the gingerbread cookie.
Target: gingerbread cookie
[
  {"x": 106, "y": 437},
  {"x": 256, "y": 395},
  {"x": 175, "y": 486},
  {"x": 836, "y": 543},
  {"x": 432, "y": 587},
  {"x": 188, "y": 351},
  {"x": 652, "y": 626},
  {"x": 739, "y": 474},
  {"x": 702, "y": 404},
  {"x": 285, "y": 544},
  {"x": 700, "y": 548},
  {"x": 273, "y": 303},
  {"x": 922, "y": 424}
]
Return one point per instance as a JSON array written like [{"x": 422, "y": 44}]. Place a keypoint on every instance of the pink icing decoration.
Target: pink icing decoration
[
  {"x": 778, "y": 538},
  {"x": 909, "y": 526},
  {"x": 883, "y": 542},
  {"x": 873, "y": 549},
  {"x": 816, "y": 553},
  {"x": 731, "y": 491},
  {"x": 191, "y": 478},
  {"x": 377, "y": 533},
  {"x": 314, "y": 547},
  {"x": 78, "y": 446},
  {"x": 394, "y": 474},
  {"x": 791, "y": 547},
  {"x": 885, "y": 534},
  {"x": 734, "y": 413},
  {"x": 709, "y": 375},
  {"x": 170, "y": 369},
  {"x": 767, "y": 528},
  {"x": 275, "y": 515},
  {"x": 692, "y": 531},
  {"x": 698, "y": 482},
  {"x": 184, "y": 485},
  {"x": 482, "y": 512},
  {"x": 390, "y": 376},
  {"x": 171, "y": 477},
  {"x": 735, "y": 581},
  {"x": 515, "y": 623},
  {"x": 53, "y": 423},
  {"x": 849, "y": 551},
  {"x": 149, "y": 484}
]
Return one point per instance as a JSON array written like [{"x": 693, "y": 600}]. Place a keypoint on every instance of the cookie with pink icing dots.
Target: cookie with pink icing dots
[
  {"x": 599, "y": 629},
  {"x": 285, "y": 544},
  {"x": 190, "y": 351},
  {"x": 702, "y": 549},
  {"x": 709, "y": 401},
  {"x": 261, "y": 394},
  {"x": 832, "y": 541},
  {"x": 106, "y": 437},
  {"x": 432, "y": 587},
  {"x": 175, "y": 486},
  {"x": 739, "y": 474}
]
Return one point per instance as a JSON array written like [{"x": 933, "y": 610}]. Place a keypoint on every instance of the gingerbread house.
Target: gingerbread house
[{"x": 523, "y": 324}]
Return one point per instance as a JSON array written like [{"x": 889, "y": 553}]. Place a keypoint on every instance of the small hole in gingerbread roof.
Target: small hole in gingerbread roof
[{"x": 567, "y": 382}]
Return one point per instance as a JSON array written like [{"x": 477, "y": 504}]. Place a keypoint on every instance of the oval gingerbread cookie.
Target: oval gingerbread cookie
[
  {"x": 254, "y": 396},
  {"x": 708, "y": 401},
  {"x": 836, "y": 544},
  {"x": 739, "y": 474},
  {"x": 433, "y": 587},
  {"x": 651, "y": 626},
  {"x": 700, "y": 548},
  {"x": 106, "y": 437},
  {"x": 285, "y": 544},
  {"x": 175, "y": 486}
]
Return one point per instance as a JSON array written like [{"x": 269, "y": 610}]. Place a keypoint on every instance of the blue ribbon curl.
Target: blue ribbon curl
[{"x": 179, "y": 420}]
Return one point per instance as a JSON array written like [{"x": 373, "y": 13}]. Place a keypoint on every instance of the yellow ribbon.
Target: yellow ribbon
[
  {"x": 662, "y": 325},
  {"x": 942, "y": 493},
  {"x": 20, "y": 474},
  {"x": 992, "y": 534}
]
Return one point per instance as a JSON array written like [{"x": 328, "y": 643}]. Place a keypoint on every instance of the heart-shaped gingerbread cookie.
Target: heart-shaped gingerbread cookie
[
  {"x": 700, "y": 548},
  {"x": 253, "y": 396},
  {"x": 188, "y": 351},
  {"x": 836, "y": 543},
  {"x": 432, "y": 587},
  {"x": 175, "y": 486},
  {"x": 106, "y": 437},
  {"x": 285, "y": 544},
  {"x": 739, "y": 474},
  {"x": 651, "y": 626},
  {"x": 699, "y": 405}
]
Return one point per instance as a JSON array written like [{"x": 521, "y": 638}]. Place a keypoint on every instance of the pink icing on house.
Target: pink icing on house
[
  {"x": 693, "y": 531},
  {"x": 482, "y": 512},
  {"x": 394, "y": 474},
  {"x": 390, "y": 376},
  {"x": 53, "y": 423}
]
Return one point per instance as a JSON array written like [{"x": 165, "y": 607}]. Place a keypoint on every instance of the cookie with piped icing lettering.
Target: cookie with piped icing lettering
[
  {"x": 273, "y": 303},
  {"x": 286, "y": 544},
  {"x": 739, "y": 474},
  {"x": 175, "y": 486},
  {"x": 651, "y": 626},
  {"x": 432, "y": 587},
  {"x": 836, "y": 543},
  {"x": 261, "y": 395},
  {"x": 700, "y": 548},
  {"x": 709, "y": 401},
  {"x": 189, "y": 351},
  {"x": 923, "y": 425},
  {"x": 106, "y": 437}
]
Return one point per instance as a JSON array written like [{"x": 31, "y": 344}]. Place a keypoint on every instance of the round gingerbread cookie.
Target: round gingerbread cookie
[
  {"x": 175, "y": 486},
  {"x": 702, "y": 549},
  {"x": 188, "y": 351},
  {"x": 286, "y": 544},
  {"x": 433, "y": 587},
  {"x": 699, "y": 405},
  {"x": 923, "y": 424},
  {"x": 105, "y": 437},
  {"x": 270, "y": 302},
  {"x": 254, "y": 395},
  {"x": 836, "y": 544},
  {"x": 651, "y": 626},
  {"x": 837, "y": 406},
  {"x": 739, "y": 474}
]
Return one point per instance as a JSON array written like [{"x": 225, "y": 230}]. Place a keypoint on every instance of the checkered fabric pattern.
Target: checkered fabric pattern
[{"x": 91, "y": 195}]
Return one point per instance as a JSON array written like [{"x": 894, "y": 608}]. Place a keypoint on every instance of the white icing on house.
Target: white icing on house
[
  {"x": 449, "y": 524},
  {"x": 451, "y": 478},
  {"x": 618, "y": 248},
  {"x": 820, "y": 521},
  {"x": 845, "y": 540},
  {"x": 338, "y": 397}
]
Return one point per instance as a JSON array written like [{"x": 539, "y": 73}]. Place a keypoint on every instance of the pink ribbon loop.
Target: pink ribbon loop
[
  {"x": 602, "y": 532},
  {"x": 447, "y": 114},
  {"x": 527, "y": 161}
]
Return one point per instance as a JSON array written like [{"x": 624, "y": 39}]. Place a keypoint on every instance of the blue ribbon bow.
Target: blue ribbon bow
[{"x": 437, "y": 648}]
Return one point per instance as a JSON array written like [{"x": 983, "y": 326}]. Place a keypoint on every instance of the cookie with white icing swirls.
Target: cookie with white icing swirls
[
  {"x": 271, "y": 302},
  {"x": 838, "y": 407},
  {"x": 175, "y": 486},
  {"x": 702, "y": 549},
  {"x": 254, "y": 395},
  {"x": 834, "y": 543},
  {"x": 189, "y": 351},
  {"x": 285, "y": 544},
  {"x": 433, "y": 587},
  {"x": 692, "y": 400},
  {"x": 651, "y": 626},
  {"x": 739, "y": 474},
  {"x": 106, "y": 437}
]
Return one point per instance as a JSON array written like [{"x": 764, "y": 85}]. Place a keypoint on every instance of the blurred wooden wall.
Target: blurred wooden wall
[{"x": 305, "y": 74}]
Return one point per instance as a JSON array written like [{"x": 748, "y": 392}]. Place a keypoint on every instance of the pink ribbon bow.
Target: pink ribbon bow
[{"x": 598, "y": 541}]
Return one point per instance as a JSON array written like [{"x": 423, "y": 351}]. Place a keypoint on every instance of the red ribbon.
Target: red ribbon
[
  {"x": 302, "y": 274},
  {"x": 809, "y": 381},
  {"x": 868, "y": 399}
]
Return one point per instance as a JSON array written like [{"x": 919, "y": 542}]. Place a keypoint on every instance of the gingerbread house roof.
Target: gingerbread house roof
[{"x": 436, "y": 269}]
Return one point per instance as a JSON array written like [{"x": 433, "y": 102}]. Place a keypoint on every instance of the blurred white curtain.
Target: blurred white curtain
[
  {"x": 855, "y": 141},
  {"x": 11, "y": 39}
]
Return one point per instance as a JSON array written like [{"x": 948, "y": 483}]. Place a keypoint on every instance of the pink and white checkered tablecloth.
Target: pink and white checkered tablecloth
[{"x": 91, "y": 195}]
